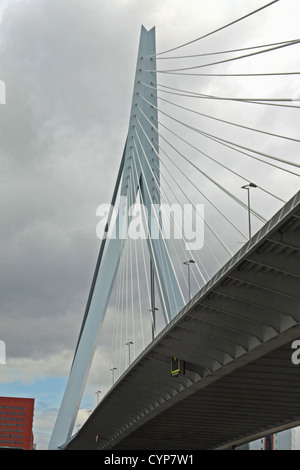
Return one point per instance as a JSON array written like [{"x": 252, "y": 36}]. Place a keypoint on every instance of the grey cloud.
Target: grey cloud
[{"x": 69, "y": 69}]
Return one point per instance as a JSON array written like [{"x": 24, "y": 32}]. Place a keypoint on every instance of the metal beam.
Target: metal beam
[
  {"x": 284, "y": 264},
  {"x": 233, "y": 398},
  {"x": 136, "y": 175}
]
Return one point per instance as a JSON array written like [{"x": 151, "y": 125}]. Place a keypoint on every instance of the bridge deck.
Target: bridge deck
[{"x": 235, "y": 338}]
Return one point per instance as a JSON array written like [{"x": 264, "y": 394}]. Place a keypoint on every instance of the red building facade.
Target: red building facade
[{"x": 16, "y": 420}]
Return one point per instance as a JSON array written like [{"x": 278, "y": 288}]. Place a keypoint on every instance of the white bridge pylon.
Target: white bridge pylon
[{"x": 140, "y": 162}]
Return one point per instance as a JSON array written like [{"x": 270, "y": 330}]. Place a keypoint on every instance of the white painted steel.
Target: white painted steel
[{"x": 164, "y": 274}]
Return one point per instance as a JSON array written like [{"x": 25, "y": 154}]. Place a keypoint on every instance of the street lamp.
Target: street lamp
[
  {"x": 113, "y": 374},
  {"x": 247, "y": 187},
  {"x": 153, "y": 321},
  {"x": 97, "y": 393},
  {"x": 128, "y": 344},
  {"x": 188, "y": 263}
]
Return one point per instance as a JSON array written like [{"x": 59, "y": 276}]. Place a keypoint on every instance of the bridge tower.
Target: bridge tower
[{"x": 139, "y": 164}]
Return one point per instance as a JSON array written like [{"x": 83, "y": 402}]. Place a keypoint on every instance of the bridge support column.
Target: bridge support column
[{"x": 141, "y": 151}]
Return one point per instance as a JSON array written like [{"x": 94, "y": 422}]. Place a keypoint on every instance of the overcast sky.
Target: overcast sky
[{"x": 69, "y": 66}]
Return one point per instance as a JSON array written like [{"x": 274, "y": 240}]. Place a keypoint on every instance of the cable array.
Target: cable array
[{"x": 211, "y": 144}]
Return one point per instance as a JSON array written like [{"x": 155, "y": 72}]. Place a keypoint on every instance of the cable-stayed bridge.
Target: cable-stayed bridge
[{"x": 202, "y": 235}]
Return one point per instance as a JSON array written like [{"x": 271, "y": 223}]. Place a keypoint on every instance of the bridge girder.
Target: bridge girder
[{"x": 240, "y": 382}]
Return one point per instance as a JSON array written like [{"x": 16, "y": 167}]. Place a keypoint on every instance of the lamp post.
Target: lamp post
[
  {"x": 97, "y": 394},
  {"x": 128, "y": 344},
  {"x": 188, "y": 263},
  {"x": 247, "y": 187},
  {"x": 113, "y": 374},
  {"x": 153, "y": 309}
]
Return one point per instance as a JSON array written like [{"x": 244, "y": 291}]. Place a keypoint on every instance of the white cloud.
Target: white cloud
[{"x": 28, "y": 370}]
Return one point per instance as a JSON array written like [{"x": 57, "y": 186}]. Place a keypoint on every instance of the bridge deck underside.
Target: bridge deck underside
[
  {"x": 260, "y": 396},
  {"x": 235, "y": 338}
]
